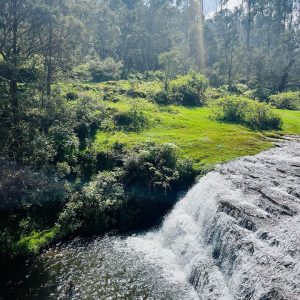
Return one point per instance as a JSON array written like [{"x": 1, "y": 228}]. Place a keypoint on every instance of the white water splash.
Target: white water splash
[{"x": 236, "y": 234}]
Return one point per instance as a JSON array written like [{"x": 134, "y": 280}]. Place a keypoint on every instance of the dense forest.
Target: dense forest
[{"x": 83, "y": 82}]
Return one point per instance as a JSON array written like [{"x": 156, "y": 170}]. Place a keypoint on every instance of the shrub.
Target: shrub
[
  {"x": 288, "y": 100},
  {"x": 154, "y": 166},
  {"x": 141, "y": 189},
  {"x": 104, "y": 70},
  {"x": 154, "y": 76},
  {"x": 239, "y": 88},
  {"x": 132, "y": 120},
  {"x": 34, "y": 242},
  {"x": 29, "y": 201},
  {"x": 93, "y": 211},
  {"x": 66, "y": 143},
  {"x": 188, "y": 89},
  {"x": 216, "y": 93},
  {"x": 88, "y": 115},
  {"x": 21, "y": 187},
  {"x": 71, "y": 96},
  {"x": 259, "y": 93},
  {"x": 245, "y": 111},
  {"x": 81, "y": 72},
  {"x": 135, "y": 94},
  {"x": 161, "y": 97}
]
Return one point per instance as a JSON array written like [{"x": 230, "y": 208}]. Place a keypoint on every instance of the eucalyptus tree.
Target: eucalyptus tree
[
  {"x": 60, "y": 38},
  {"x": 14, "y": 45}
]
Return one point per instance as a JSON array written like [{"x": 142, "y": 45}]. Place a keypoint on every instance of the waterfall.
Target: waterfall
[{"x": 236, "y": 234}]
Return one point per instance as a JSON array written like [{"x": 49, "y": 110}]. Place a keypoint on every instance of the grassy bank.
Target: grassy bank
[
  {"x": 197, "y": 136},
  {"x": 195, "y": 133},
  {"x": 192, "y": 130}
]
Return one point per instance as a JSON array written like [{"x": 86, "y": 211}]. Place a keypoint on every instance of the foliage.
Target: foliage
[
  {"x": 87, "y": 119},
  {"x": 188, "y": 89},
  {"x": 35, "y": 241},
  {"x": 22, "y": 187},
  {"x": 55, "y": 137},
  {"x": 161, "y": 97},
  {"x": 239, "y": 88},
  {"x": 258, "y": 116},
  {"x": 132, "y": 120},
  {"x": 287, "y": 100},
  {"x": 93, "y": 210},
  {"x": 107, "y": 69},
  {"x": 172, "y": 63},
  {"x": 29, "y": 202},
  {"x": 149, "y": 171},
  {"x": 154, "y": 76},
  {"x": 72, "y": 96},
  {"x": 152, "y": 166},
  {"x": 81, "y": 72}
]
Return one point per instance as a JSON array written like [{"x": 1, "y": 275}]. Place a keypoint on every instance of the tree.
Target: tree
[
  {"x": 13, "y": 20},
  {"x": 61, "y": 35}
]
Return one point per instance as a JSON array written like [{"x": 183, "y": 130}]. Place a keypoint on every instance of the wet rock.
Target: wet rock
[{"x": 273, "y": 294}]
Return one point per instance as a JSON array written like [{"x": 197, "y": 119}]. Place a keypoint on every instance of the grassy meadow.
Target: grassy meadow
[{"x": 196, "y": 134}]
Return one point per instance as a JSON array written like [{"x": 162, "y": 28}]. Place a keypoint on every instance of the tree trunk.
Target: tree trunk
[
  {"x": 199, "y": 27},
  {"x": 285, "y": 76},
  {"x": 13, "y": 81},
  {"x": 49, "y": 63},
  {"x": 49, "y": 60},
  {"x": 249, "y": 21},
  {"x": 249, "y": 27}
]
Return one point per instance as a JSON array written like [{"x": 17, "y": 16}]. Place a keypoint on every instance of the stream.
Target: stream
[{"x": 235, "y": 235}]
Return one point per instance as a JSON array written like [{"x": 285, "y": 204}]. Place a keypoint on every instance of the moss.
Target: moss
[{"x": 35, "y": 241}]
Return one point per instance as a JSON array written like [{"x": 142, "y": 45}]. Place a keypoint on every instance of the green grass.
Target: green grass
[
  {"x": 197, "y": 136},
  {"x": 291, "y": 121}
]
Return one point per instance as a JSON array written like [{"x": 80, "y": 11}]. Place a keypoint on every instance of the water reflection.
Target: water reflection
[{"x": 100, "y": 269}]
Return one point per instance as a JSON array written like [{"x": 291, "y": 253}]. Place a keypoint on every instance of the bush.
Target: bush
[
  {"x": 154, "y": 76},
  {"x": 29, "y": 201},
  {"x": 93, "y": 211},
  {"x": 34, "y": 242},
  {"x": 188, "y": 89},
  {"x": 88, "y": 116},
  {"x": 22, "y": 187},
  {"x": 71, "y": 96},
  {"x": 161, "y": 98},
  {"x": 154, "y": 166},
  {"x": 288, "y": 100},
  {"x": 239, "y": 88},
  {"x": 81, "y": 72},
  {"x": 245, "y": 111},
  {"x": 104, "y": 70},
  {"x": 134, "y": 195},
  {"x": 132, "y": 120},
  {"x": 151, "y": 165},
  {"x": 260, "y": 93},
  {"x": 216, "y": 93}
]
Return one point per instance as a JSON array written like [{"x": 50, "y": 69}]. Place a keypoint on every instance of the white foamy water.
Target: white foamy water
[{"x": 235, "y": 235}]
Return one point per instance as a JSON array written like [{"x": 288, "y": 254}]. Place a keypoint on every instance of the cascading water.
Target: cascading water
[{"x": 235, "y": 235}]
